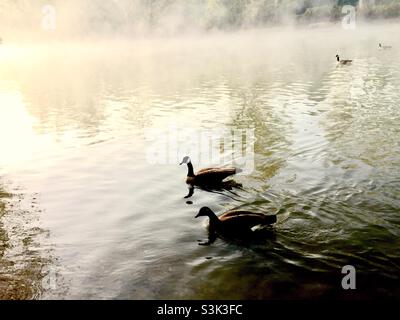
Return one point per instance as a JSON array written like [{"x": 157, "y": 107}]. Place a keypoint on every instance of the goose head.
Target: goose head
[
  {"x": 205, "y": 212},
  {"x": 185, "y": 160}
]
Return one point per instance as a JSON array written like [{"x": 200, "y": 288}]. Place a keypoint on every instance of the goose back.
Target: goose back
[
  {"x": 245, "y": 219},
  {"x": 211, "y": 175}
]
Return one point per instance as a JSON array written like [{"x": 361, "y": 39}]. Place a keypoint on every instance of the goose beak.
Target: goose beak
[{"x": 197, "y": 215}]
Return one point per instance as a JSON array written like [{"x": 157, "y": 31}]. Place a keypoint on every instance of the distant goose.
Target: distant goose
[
  {"x": 207, "y": 176},
  {"x": 384, "y": 47},
  {"x": 343, "y": 61},
  {"x": 235, "y": 223}
]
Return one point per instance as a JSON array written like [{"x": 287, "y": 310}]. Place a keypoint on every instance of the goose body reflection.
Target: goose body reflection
[
  {"x": 384, "y": 47},
  {"x": 218, "y": 188},
  {"x": 235, "y": 224}
]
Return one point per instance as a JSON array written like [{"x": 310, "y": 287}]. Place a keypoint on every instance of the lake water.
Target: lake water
[{"x": 86, "y": 213}]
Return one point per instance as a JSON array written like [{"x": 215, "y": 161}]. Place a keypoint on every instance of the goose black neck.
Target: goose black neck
[
  {"x": 190, "y": 170},
  {"x": 338, "y": 59},
  {"x": 214, "y": 221}
]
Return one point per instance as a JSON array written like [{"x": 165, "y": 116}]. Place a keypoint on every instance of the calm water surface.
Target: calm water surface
[{"x": 82, "y": 204}]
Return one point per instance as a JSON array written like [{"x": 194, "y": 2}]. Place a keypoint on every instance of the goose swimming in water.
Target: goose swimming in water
[
  {"x": 343, "y": 61},
  {"x": 207, "y": 176},
  {"x": 384, "y": 47},
  {"x": 235, "y": 223}
]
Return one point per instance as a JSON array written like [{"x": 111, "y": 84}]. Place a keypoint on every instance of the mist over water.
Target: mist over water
[
  {"x": 75, "y": 109},
  {"x": 57, "y": 20}
]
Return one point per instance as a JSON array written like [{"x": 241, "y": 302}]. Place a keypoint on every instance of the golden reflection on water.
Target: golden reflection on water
[{"x": 19, "y": 140}]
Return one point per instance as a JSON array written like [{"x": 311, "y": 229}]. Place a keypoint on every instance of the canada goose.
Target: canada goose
[
  {"x": 235, "y": 223},
  {"x": 384, "y": 47},
  {"x": 207, "y": 176},
  {"x": 343, "y": 61}
]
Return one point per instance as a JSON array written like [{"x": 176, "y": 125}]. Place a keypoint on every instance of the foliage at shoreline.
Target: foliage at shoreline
[
  {"x": 21, "y": 263},
  {"x": 130, "y": 17}
]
